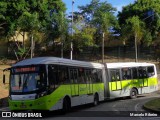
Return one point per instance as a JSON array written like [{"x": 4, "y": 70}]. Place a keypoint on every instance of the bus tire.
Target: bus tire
[
  {"x": 133, "y": 93},
  {"x": 96, "y": 100},
  {"x": 66, "y": 105}
]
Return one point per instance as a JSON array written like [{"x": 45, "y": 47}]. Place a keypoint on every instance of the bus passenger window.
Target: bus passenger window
[
  {"x": 99, "y": 75},
  {"x": 150, "y": 71},
  {"x": 81, "y": 76},
  {"x": 126, "y": 73},
  {"x": 63, "y": 75},
  {"x": 142, "y": 73},
  {"x": 74, "y": 76},
  {"x": 52, "y": 77},
  {"x": 96, "y": 75},
  {"x": 134, "y": 73},
  {"x": 71, "y": 76},
  {"x": 115, "y": 75},
  {"x": 88, "y": 75}
]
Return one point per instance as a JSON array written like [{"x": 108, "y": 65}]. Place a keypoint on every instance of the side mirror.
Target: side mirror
[{"x": 4, "y": 78}]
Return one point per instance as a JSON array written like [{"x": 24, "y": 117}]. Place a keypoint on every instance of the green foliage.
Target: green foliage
[
  {"x": 27, "y": 16},
  {"x": 98, "y": 16},
  {"x": 151, "y": 22},
  {"x": 22, "y": 52},
  {"x": 135, "y": 26},
  {"x": 41, "y": 19},
  {"x": 84, "y": 38}
]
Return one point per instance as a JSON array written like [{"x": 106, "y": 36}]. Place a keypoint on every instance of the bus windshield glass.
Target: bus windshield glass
[{"x": 27, "y": 79}]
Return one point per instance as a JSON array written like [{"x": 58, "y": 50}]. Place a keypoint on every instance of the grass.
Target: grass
[{"x": 153, "y": 105}]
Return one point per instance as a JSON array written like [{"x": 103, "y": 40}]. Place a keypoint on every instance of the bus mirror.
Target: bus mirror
[{"x": 4, "y": 78}]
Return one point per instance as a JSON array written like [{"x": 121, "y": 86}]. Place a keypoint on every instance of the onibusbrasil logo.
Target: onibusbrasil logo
[{"x": 14, "y": 114}]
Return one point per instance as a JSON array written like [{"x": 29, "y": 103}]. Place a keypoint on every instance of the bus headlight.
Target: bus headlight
[{"x": 40, "y": 95}]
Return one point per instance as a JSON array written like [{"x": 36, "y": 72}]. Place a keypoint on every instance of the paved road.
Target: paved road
[
  {"x": 109, "y": 109},
  {"x": 112, "y": 109}
]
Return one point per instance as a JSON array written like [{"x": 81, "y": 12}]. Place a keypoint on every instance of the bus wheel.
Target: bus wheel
[
  {"x": 96, "y": 100},
  {"x": 66, "y": 105},
  {"x": 133, "y": 93}
]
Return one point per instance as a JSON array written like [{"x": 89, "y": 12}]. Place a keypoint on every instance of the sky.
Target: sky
[{"x": 115, "y": 3}]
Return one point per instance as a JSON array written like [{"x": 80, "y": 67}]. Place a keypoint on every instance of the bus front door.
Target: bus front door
[{"x": 74, "y": 82}]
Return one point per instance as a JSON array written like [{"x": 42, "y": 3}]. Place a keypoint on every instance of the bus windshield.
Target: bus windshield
[{"x": 26, "y": 81}]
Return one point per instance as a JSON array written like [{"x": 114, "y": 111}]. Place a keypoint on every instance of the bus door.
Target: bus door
[
  {"x": 143, "y": 80},
  {"x": 74, "y": 82},
  {"x": 89, "y": 84},
  {"x": 115, "y": 80}
]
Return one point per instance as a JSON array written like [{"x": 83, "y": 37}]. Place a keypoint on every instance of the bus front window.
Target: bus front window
[{"x": 24, "y": 82}]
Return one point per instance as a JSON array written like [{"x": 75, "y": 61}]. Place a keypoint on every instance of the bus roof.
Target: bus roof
[
  {"x": 55, "y": 60},
  {"x": 127, "y": 64}
]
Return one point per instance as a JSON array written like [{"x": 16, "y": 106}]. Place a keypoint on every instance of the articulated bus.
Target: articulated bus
[
  {"x": 50, "y": 83},
  {"x": 130, "y": 79}
]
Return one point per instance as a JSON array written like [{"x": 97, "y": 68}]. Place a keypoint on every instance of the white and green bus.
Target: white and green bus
[
  {"x": 50, "y": 83},
  {"x": 130, "y": 79}
]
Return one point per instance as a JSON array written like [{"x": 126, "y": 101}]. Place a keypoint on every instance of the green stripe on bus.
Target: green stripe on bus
[
  {"x": 123, "y": 84},
  {"x": 46, "y": 102}
]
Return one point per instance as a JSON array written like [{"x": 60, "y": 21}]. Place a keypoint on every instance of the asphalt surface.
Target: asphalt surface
[{"x": 121, "y": 108}]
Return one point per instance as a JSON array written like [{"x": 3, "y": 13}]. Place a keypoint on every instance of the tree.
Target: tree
[
  {"x": 31, "y": 16},
  {"x": 136, "y": 28},
  {"x": 147, "y": 11},
  {"x": 100, "y": 15}
]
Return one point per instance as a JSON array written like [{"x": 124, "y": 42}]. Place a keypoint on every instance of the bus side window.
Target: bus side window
[
  {"x": 112, "y": 75},
  {"x": 88, "y": 75},
  {"x": 63, "y": 75},
  {"x": 142, "y": 73},
  {"x": 99, "y": 75},
  {"x": 115, "y": 75},
  {"x": 145, "y": 73},
  {"x": 52, "y": 76},
  {"x": 81, "y": 76},
  {"x": 150, "y": 71},
  {"x": 126, "y": 73},
  {"x": 94, "y": 75},
  {"x": 134, "y": 73},
  {"x": 74, "y": 76},
  {"x": 71, "y": 76}
]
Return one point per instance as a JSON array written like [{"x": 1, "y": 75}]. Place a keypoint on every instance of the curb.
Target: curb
[
  {"x": 150, "y": 109},
  {"x": 4, "y": 102}
]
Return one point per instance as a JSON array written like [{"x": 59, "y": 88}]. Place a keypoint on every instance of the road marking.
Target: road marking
[
  {"x": 136, "y": 109},
  {"x": 5, "y": 109}
]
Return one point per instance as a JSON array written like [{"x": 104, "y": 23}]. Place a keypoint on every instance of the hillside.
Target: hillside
[{"x": 3, "y": 88}]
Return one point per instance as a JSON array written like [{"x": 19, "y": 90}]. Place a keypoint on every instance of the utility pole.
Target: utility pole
[
  {"x": 71, "y": 54},
  {"x": 62, "y": 26},
  {"x": 103, "y": 48},
  {"x": 32, "y": 46},
  {"x": 135, "y": 40}
]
